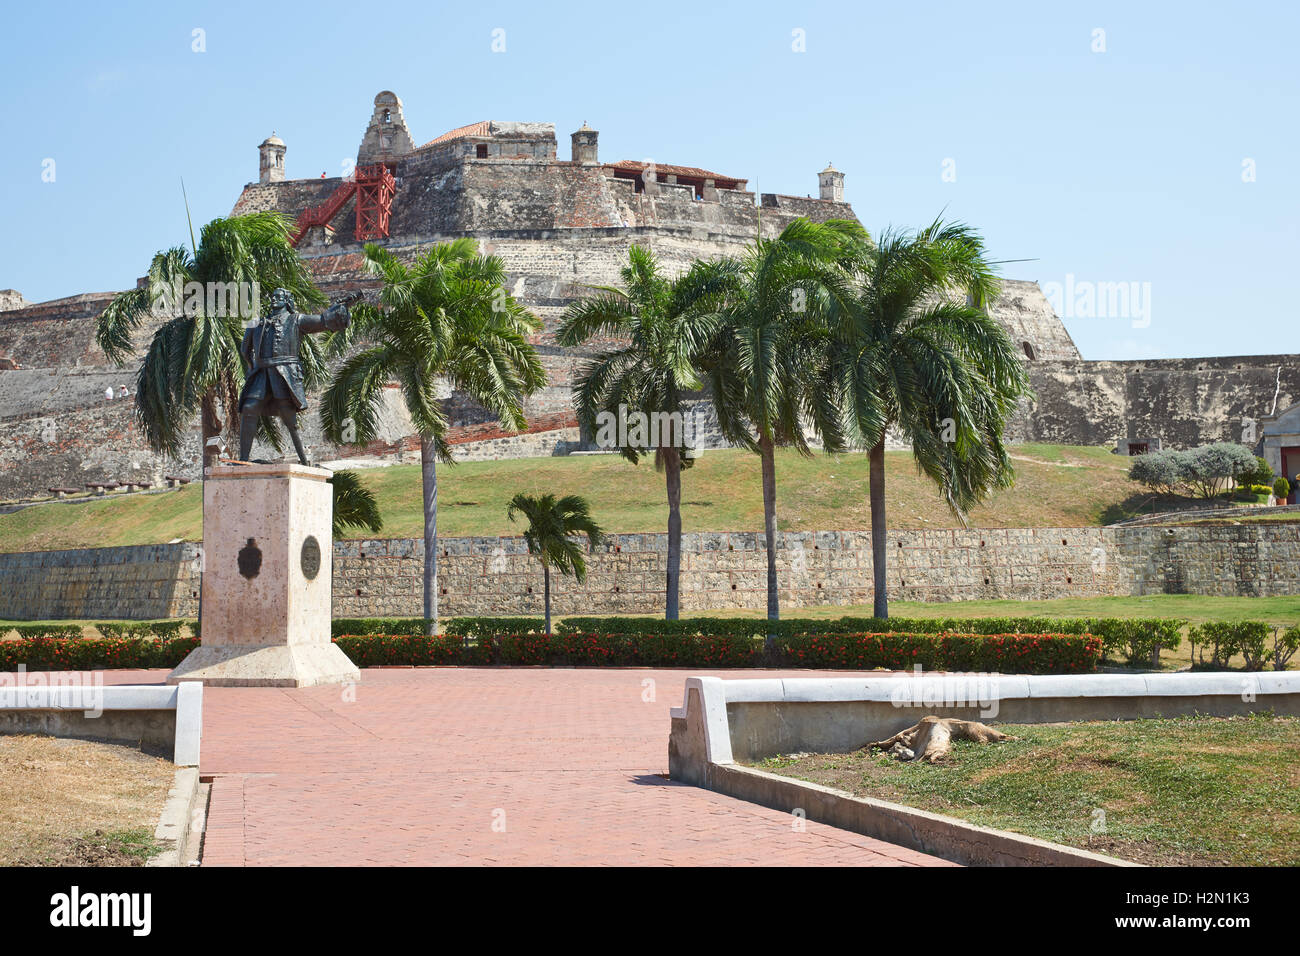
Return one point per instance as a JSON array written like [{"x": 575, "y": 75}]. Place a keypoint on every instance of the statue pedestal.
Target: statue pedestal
[{"x": 268, "y": 554}]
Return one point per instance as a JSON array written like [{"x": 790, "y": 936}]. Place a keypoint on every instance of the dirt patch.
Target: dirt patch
[{"x": 78, "y": 802}]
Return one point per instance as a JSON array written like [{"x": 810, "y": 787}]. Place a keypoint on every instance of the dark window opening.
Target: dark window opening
[
  {"x": 481, "y": 150},
  {"x": 1029, "y": 350},
  {"x": 1138, "y": 448}
]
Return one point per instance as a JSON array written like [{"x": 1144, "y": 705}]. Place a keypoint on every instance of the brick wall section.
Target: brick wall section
[{"x": 382, "y": 577}]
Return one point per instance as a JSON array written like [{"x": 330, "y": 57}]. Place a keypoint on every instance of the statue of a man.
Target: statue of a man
[{"x": 274, "y": 385}]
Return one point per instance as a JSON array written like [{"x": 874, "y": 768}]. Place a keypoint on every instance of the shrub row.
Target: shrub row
[
  {"x": 1053, "y": 649},
  {"x": 58, "y": 654},
  {"x": 163, "y": 630},
  {"x": 1250, "y": 639},
  {"x": 472, "y": 627},
  {"x": 759, "y": 627},
  {"x": 1007, "y": 653}
]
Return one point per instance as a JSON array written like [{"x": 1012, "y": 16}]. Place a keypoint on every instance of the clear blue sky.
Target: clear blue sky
[{"x": 1119, "y": 166}]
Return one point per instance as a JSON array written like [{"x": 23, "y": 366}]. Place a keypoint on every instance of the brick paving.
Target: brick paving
[{"x": 437, "y": 766}]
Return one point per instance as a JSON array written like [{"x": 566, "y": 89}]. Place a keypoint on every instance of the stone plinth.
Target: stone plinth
[{"x": 267, "y": 580}]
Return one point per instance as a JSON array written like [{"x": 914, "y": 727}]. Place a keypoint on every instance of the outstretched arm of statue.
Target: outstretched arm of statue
[{"x": 335, "y": 318}]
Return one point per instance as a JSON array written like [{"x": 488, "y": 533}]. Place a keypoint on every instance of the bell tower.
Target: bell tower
[
  {"x": 386, "y": 136},
  {"x": 270, "y": 160},
  {"x": 830, "y": 184}
]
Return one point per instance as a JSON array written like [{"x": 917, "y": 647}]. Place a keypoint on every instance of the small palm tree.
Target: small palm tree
[
  {"x": 914, "y": 354},
  {"x": 764, "y": 367},
  {"x": 445, "y": 321},
  {"x": 552, "y": 525},
  {"x": 193, "y": 364},
  {"x": 354, "y": 504},
  {"x": 667, "y": 324}
]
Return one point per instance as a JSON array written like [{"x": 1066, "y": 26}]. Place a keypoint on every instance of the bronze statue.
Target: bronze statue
[{"x": 274, "y": 385}]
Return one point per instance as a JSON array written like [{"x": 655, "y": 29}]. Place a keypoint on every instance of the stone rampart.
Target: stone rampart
[{"x": 495, "y": 575}]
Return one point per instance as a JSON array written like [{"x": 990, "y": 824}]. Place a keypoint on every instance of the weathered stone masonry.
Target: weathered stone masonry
[
  {"x": 382, "y": 577},
  {"x": 146, "y": 582}
]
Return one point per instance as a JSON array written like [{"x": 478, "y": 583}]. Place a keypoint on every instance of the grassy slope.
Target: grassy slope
[
  {"x": 1188, "y": 791},
  {"x": 1056, "y": 486}
]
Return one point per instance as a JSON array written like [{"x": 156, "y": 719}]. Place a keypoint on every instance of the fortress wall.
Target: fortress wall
[
  {"x": 100, "y": 442},
  {"x": 1183, "y": 402},
  {"x": 55, "y": 334},
  {"x": 1028, "y": 317},
  {"x": 144, "y": 583},
  {"x": 382, "y": 577}
]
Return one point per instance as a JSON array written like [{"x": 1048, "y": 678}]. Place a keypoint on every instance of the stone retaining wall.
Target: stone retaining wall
[
  {"x": 382, "y": 577},
  {"x": 146, "y": 582}
]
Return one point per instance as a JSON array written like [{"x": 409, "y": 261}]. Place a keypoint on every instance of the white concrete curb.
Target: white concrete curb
[
  {"x": 100, "y": 701},
  {"x": 173, "y": 830},
  {"x": 762, "y": 717}
]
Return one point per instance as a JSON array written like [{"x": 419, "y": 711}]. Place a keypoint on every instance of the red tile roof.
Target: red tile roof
[{"x": 473, "y": 129}]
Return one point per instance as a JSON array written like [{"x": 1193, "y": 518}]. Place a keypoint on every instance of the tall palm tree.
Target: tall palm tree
[
  {"x": 193, "y": 363},
  {"x": 763, "y": 367},
  {"x": 445, "y": 320},
  {"x": 666, "y": 324},
  {"x": 552, "y": 525},
  {"x": 917, "y": 351}
]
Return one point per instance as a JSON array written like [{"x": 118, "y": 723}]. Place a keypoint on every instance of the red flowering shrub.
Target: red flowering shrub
[
  {"x": 1001, "y": 653},
  {"x": 1004, "y": 653},
  {"x": 81, "y": 654}
]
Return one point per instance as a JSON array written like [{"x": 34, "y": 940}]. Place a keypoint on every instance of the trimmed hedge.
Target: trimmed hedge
[
  {"x": 1003, "y": 653},
  {"x": 1008, "y": 653},
  {"x": 60, "y": 654},
  {"x": 1010, "y": 645},
  {"x": 1138, "y": 640},
  {"x": 474, "y": 627},
  {"x": 1247, "y": 638},
  {"x": 164, "y": 630},
  {"x": 759, "y": 627},
  {"x": 59, "y": 632},
  {"x": 483, "y": 628},
  {"x": 376, "y": 625}
]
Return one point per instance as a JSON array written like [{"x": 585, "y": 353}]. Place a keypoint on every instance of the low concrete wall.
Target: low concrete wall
[
  {"x": 722, "y": 722},
  {"x": 169, "y": 719}
]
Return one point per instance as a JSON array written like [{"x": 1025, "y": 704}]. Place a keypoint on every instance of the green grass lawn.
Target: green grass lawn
[
  {"x": 1178, "y": 792},
  {"x": 1056, "y": 486}
]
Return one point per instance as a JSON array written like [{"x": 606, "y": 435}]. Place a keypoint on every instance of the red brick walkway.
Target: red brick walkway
[{"x": 481, "y": 766}]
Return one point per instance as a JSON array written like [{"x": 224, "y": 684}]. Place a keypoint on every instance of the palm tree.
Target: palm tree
[
  {"x": 446, "y": 322},
  {"x": 666, "y": 325},
  {"x": 354, "y": 504},
  {"x": 917, "y": 351},
  {"x": 552, "y": 524},
  {"x": 764, "y": 365},
  {"x": 193, "y": 363}
]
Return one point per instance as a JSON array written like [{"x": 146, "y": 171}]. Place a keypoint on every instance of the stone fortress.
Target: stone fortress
[{"x": 560, "y": 225}]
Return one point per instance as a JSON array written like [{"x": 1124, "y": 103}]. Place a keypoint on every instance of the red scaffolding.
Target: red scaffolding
[{"x": 373, "y": 186}]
